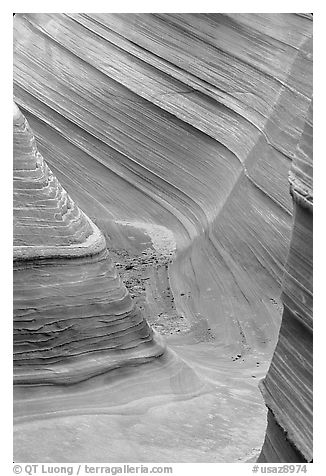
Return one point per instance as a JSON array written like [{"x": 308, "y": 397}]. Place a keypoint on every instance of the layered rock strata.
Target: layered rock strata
[
  {"x": 185, "y": 120},
  {"x": 73, "y": 318},
  {"x": 188, "y": 123},
  {"x": 287, "y": 388}
]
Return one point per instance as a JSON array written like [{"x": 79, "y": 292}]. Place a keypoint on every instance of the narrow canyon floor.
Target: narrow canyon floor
[{"x": 199, "y": 402}]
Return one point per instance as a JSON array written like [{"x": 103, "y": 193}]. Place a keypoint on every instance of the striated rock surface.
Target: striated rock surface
[
  {"x": 287, "y": 388},
  {"x": 73, "y": 318},
  {"x": 175, "y": 133}
]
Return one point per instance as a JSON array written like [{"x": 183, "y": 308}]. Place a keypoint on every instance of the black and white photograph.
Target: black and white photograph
[{"x": 162, "y": 241}]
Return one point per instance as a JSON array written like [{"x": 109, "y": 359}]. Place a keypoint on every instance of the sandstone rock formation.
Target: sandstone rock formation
[
  {"x": 287, "y": 389},
  {"x": 160, "y": 125},
  {"x": 73, "y": 318}
]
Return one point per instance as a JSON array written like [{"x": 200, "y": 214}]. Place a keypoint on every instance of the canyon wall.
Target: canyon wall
[
  {"x": 287, "y": 388},
  {"x": 175, "y": 134}
]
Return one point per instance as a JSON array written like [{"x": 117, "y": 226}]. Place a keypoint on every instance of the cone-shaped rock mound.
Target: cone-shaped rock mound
[{"x": 73, "y": 317}]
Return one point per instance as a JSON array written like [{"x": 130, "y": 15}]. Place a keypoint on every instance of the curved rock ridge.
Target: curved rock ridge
[
  {"x": 73, "y": 318},
  {"x": 47, "y": 223},
  {"x": 287, "y": 388},
  {"x": 301, "y": 173}
]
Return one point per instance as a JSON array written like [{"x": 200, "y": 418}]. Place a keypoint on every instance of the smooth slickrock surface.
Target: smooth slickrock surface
[
  {"x": 175, "y": 133},
  {"x": 287, "y": 389}
]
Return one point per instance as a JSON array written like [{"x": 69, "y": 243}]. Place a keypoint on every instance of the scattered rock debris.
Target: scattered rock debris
[
  {"x": 145, "y": 275},
  {"x": 279, "y": 306}
]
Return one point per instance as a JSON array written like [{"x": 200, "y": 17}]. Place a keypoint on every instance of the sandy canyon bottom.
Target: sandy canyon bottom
[{"x": 199, "y": 402}]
